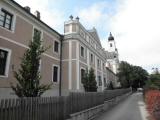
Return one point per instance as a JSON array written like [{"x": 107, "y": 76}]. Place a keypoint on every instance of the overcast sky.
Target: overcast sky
[{"x": 135, "y": 24}]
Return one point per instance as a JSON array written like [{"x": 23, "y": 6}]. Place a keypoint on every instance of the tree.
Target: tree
[
  {"x": 28, "y": 76},
  {"x": 110, "y": 86},
  {"x": 138, "y": 77},
  {"x": 132, "y": 76},
  {"x": 124, "y": 74},
  {"x": 89, "y": 81},
  {"x": 154, "y": 81}
]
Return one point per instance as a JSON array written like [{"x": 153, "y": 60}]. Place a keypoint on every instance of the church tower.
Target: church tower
[
  {"x": 113, "y": 58},
  {"x": 111, "y": 43}
]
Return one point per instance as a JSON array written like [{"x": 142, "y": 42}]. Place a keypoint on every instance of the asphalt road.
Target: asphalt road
[{"x": 132, "y": 108}]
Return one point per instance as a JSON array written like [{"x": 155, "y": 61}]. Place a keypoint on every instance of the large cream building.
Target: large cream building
[{"x": 63, "y": 64}]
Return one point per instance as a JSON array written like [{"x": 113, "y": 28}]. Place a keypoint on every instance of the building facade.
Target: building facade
[
  {"x": 62, "y": 65},
  {"x": 17, "y": 28},
  {"x": 85, "y": 51}
]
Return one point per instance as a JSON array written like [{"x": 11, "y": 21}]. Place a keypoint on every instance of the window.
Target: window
[
  {"x": 99, "y": 81},
  {"x": 87, "y": 38},
  {"x": 4, "y": 54},
  {"x": 98, "y": 62},
  {"x": 37, "y": 34},
  {"x": 6, "y": 19},
  {"x": 110, "y": 44},
  {"x": 56, "y": 46},
  {"x": 91, "y": 58},
  {"x": 105, "y": 83},
  {"x": 82, "y": 33},
  {"x": 82, "y": 74},
  {"x": 73, "y": 27},
  {"x": 103, "y": 66},
  {"x": 67, "y": 28},
  {"x": 82, "y": 51},
  {"x": 55, "y": 74}
]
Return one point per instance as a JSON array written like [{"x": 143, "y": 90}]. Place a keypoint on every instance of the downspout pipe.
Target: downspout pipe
[{"x": 60, "y": 75}]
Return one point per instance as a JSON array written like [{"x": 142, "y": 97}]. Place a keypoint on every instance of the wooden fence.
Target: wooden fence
[
  {"x": 109, "y": 94},
  {"x": 82, "y": 101},
  {"x": 53, "y": 108}
]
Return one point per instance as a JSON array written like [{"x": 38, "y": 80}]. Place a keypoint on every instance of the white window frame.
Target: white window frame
[
  {"x": 58, "y": 47},
  {"x": 58, "y": 73},
  {"x": 7, "y": 63},
  {"x": 13, "y": 19},
  {"x": 84, "y": 51}
]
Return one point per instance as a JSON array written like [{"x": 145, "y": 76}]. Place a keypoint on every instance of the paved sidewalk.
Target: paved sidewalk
[{"x": 132, "y": 108}]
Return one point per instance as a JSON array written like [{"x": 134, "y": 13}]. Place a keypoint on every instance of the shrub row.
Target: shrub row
[{"x": 152, "y": 98}]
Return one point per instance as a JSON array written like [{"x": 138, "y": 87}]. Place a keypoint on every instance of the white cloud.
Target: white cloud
[
  {"x": 95, "y": 15},
  {"x": 136, "y": 27},
  {"x": 53, "y": 17}
]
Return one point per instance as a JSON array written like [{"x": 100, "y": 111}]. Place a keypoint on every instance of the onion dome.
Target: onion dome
[{"x": 110, "y": 38}]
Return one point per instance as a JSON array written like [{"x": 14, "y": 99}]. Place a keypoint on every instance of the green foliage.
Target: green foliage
[
  {"x": 28, "y": 76},
  {"x": 154, "y": 81},
  {"x": 89, "y": 81},
  {"x": 132, "y": 76},
  {"x": 110, "y": 86}
]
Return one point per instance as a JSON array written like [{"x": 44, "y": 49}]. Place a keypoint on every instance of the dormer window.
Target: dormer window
[{"x": 6, "y": 19}]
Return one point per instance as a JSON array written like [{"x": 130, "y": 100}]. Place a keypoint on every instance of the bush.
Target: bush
[
  {"x": 89, "y": 81},
  {"x": 110, "y": 86},
  {"x": 152, "y": 98}
]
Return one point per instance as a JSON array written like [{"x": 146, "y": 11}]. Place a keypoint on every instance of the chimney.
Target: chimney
[
  {"x": 27, "y": 8},
  {"x": 37, "y": 14}
]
